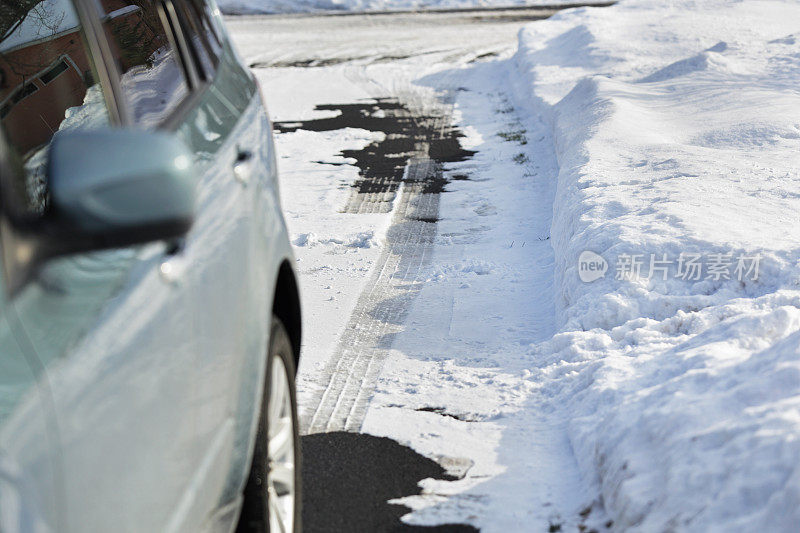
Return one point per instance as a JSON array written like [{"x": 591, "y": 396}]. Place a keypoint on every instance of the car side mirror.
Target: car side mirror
[
  {"x": 118, "y": 187},
  {"x": 108, "y": 188}
]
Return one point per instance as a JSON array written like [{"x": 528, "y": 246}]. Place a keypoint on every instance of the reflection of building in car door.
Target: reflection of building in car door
[{"x": 42, "y": 80}]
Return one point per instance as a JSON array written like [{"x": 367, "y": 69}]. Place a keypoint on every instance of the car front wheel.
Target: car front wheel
[{"x": 272, "y": 494}]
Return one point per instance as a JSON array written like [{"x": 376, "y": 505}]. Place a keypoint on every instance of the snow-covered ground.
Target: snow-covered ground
[
  {"x": 656, "y": 397},
  {"x": 305, "y": 6},
  {"x": 677, "y": 131}
]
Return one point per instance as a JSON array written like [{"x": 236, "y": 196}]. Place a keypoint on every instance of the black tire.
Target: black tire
[{"x": 254, "y": 517}]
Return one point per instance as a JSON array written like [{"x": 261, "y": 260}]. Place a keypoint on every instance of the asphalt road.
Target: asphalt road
[{"x": 349, "y": 478}]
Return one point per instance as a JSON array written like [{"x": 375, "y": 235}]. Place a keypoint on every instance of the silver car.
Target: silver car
[{"x": 149, "y": 312}]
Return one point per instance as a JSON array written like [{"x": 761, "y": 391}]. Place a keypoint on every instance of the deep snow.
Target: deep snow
[{"x": 677, "y": 130}]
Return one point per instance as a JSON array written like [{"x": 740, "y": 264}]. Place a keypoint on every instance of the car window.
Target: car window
[
  {"x": 153, "y": 80},
  {"x": 205, "y": 15},
  {"x": 201, "y": 47},
  {"x": 47, "y": 85}
]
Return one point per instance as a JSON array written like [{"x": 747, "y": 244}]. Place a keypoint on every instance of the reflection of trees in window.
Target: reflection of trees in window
[
  {"x": 139, "y": 36},
  {"x": 47, "y": 18},
  {"x": 12, "y": 14}
]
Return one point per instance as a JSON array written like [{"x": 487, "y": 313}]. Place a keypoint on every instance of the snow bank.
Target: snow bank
[
  {"x": 677, "y": 131},
  {"x": 241, "y": 7}
]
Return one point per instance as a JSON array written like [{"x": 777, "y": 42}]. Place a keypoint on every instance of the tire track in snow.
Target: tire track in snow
[
  {"x": 484, "y": 367},
  {"x": 348, "y": 380}
]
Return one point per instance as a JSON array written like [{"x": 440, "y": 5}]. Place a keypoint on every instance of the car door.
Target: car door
[
  {"x": 29, "y": 469},
  {"x": 214, "y": 267},
  {"x": 109, "y": 332},
  {"x": 226, "y": 274}
]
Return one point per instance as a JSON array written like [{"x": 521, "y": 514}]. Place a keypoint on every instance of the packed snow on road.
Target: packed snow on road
[
  {"x": 604, "y": 327},
  {"x": 239, "y": 7}
]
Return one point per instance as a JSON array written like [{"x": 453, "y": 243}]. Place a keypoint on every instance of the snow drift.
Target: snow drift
[{"x": 677, "y": 131}]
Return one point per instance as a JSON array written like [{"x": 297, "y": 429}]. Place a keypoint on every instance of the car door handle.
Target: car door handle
[
  {"x": 173, "y": 265},
  {"x": 243, "y": 167}
]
